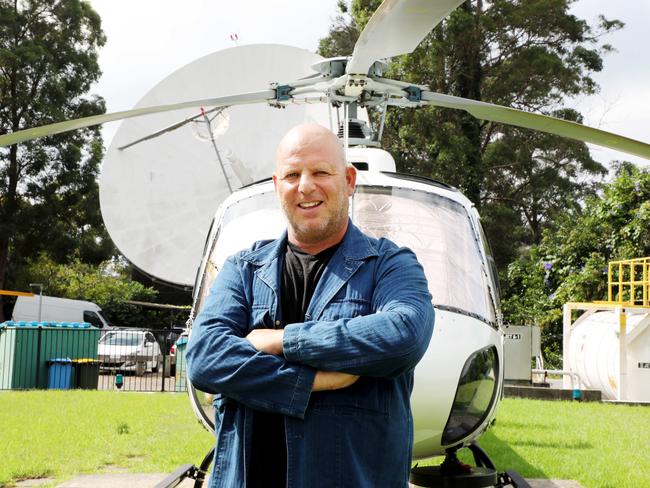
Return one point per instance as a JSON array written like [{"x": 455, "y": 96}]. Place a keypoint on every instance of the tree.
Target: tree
[
  {"x": 342, "y": 36},
  {"x": 109, "y": 285},
  {"x": 534, "y": 178},
  {"x": 570, "y": 263},
  {"x": 528, "y": 54},
  {"x": 48, "y": 188}
]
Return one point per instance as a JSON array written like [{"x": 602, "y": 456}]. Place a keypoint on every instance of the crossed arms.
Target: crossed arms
[
  {"x": 276, "y": 370},
  {"x": 270, "y": 342}
]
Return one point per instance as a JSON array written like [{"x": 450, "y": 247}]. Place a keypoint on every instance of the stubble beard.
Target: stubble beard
[{"x": 310, "y": 234}]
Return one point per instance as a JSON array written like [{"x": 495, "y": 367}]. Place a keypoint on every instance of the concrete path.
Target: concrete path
[{"x": 119, "y": 480}]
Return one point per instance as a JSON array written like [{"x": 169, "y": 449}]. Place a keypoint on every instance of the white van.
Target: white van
[{"x": 54, "y": 309}]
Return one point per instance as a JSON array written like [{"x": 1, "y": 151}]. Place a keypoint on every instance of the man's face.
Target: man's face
[{"x": 313, "y": 185}]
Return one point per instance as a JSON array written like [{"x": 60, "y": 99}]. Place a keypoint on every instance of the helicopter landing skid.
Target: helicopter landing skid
[
  {"x": 188, "y": 471},
  {"x": 453, "y": 473}
]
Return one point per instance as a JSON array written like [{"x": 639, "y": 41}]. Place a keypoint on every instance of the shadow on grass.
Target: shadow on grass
[{"x": 506, "y": 459}]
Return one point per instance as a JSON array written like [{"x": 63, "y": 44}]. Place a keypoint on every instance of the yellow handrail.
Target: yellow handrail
[
  {"x": 628, "y": 282},
  {"x": 16, "y": 293}
]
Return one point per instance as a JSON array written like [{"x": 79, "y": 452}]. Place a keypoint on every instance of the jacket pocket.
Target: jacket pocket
[
  {"x": 220, "y": 401},
  {"x": 261, "y": 318},
  {"x": 346, "y": 309}
]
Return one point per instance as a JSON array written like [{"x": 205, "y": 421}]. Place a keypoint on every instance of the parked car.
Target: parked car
[{"x": 129, "y": 350}]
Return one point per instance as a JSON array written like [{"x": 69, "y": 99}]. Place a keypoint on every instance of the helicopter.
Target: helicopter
[{"x": 458, "y": 383}]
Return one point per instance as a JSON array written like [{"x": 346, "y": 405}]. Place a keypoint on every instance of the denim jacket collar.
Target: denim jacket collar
[{"x": 355, "y": 248}]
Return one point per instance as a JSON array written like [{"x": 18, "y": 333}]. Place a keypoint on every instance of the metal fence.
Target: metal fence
[{"x": 68, "y": 356}]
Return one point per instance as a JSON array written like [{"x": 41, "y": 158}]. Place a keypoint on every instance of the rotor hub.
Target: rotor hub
[{"x": 335, "y": 67}]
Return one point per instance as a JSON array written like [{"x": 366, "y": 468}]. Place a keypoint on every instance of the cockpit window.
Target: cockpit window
[
  {"x": 440, "y": 233},
  {"x": 436, "y": 228},
  {"x": 244, "y": 222}
]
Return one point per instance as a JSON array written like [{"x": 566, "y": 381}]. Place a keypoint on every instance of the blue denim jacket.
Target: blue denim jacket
[{"x": 370, "y": 315}]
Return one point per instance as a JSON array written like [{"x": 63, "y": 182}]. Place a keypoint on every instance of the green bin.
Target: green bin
[
  {"x": 181, "y": 365},
  {"x": 86, "y": 373}
]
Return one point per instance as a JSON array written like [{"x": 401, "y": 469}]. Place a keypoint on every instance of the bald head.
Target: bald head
[
  {"x": 308, "y": 138},
  {"x": 313, "y": 183}
]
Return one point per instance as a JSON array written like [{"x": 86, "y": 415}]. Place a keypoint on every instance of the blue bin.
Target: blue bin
[{"x": 60, "y": 374}]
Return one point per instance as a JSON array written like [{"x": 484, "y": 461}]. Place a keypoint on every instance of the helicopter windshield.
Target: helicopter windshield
[
  {"x": 440, "y": 233},
  {"x": 436, "y": 228}
]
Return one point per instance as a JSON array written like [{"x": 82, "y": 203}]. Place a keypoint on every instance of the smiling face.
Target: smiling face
[{"x": 313, "y": 184}]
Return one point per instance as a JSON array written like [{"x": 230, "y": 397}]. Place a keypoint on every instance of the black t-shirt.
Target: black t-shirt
[{"x": 300, "y": 275}]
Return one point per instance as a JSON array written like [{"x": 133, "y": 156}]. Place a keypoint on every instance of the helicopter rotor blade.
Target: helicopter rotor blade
[
  {"x": 396, "y": 27},
  {"x": 170, "y": 128},
  {"x": 544, "y": 123},
  {"x": 68, "y": 125}
]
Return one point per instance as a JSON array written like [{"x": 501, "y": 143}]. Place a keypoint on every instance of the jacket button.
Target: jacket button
[{"x": 277, "y": 322}]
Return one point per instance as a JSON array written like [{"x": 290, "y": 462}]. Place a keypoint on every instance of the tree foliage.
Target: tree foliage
[
  {"x": 528, "y": 54},
  {"x": 532, "y": 178},
  {"x": 109, "y": 285},
  {"x": 48, "y": 188},
  {"x": 342, "y": 35},
  {"x": 570, "y": 263}
]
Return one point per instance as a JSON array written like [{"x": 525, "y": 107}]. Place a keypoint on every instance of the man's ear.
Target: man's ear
[
  {"x": 351, "y": 178},
  {"x": 275, "y": 182}
]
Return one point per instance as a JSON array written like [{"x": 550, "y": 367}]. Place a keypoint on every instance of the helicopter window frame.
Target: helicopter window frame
[
  {"x": 216, "y": 257},
  {"x": 491, "y": 271},
  {"x": 488, "y": 268},
  {"x": 209, "y": 243}
]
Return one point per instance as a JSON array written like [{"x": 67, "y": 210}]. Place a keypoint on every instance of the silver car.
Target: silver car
[{"x": 129, "y": 350}]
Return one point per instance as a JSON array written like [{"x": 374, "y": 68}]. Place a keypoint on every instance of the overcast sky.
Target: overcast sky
[{"x": 149, "y": 39}]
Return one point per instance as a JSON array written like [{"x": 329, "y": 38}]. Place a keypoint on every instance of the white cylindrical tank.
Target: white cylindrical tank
[{"x": 594, "y": 353}]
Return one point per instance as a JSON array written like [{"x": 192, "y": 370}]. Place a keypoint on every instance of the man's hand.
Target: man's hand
[
  {"x": 267, "y": 340},
  {"x": 332, "y": 380}
]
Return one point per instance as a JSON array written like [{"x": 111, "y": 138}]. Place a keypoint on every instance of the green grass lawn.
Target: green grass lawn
[
  {"x": 599, "y": 445},
  {"x": 63, "y": 433}
]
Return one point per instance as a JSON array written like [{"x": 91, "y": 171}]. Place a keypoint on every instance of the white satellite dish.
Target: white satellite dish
[{"x": 158, "y": 196}]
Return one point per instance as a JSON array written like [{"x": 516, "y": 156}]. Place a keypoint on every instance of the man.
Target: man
[{"x": 309, "y": 341}]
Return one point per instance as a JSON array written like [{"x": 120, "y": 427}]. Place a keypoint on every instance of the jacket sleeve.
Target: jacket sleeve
[
  {"x": 221, "y": 360},
  {"x": 386, "y": 343}
]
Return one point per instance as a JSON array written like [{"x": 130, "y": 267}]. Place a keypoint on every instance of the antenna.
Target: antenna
[{"x": 208, "y": 122}]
